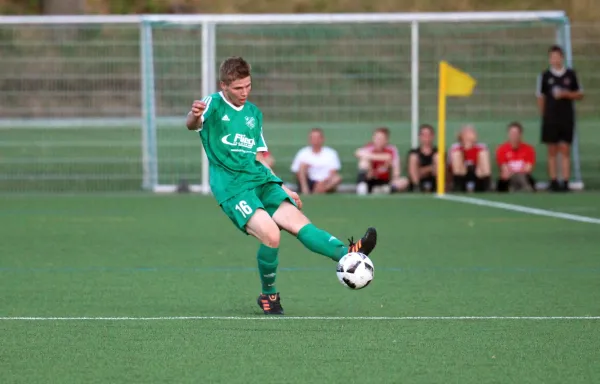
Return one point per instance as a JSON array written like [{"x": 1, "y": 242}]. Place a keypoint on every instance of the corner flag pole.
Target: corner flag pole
[
  {"x": 441, "y": 165},
  {"x": 452, "y": 82}
]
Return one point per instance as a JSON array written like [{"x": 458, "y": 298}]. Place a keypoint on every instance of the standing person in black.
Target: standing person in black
[
  {"x": 422, "y": 162},
  {"x": 557, "y": 89}
]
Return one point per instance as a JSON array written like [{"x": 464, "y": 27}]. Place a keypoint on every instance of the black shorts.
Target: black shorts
[
  {"x": 554, "y": 133},
  {"x": 505, "y": 185},
  {"x": 426, "y": 184},
  {"x": 471, "y": 182},
  {"x": 311, "y": 186},
  {"x": 376, "y": 183}
]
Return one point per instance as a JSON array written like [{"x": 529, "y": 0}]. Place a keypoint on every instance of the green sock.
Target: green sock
[
  {"x": 267, "y": 268},
  {"x": 321, "y": 242}
]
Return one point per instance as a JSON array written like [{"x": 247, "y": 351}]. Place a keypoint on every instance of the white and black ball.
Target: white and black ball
[{"x": 355, "y": 270}]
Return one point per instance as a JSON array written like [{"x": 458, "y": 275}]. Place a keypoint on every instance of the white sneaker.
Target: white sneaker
[{"x": 362, "y": 189}]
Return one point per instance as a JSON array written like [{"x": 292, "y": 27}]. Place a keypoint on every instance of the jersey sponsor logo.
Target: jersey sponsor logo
[
  {"x": 239, "y": 140},
  {"x": 225, "y": 118},
  {"x": 516, "y": 165},
  {"x": 250, "y": 122}
]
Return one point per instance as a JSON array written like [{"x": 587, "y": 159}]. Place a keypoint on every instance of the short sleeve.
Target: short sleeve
[
  {"x": 210, "y": 106},
  {"x": 575, "y": 86},
  {"x": 530, "y": 158},
  {"x": 337, "y": 165},
  {"x": 539, "y": 88},
  {"x": 262, "y": 144},
  {"x": 298, "y": 159},
  {"x": 500, "y": 156}
]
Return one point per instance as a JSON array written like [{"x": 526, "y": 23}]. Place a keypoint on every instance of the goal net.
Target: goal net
[{"x": 347, "y": 74}]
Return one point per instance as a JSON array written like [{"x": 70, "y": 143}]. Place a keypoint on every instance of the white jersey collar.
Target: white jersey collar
[
  {"x": 558, "y": 72},
  {"x": 231, "y": 105}
]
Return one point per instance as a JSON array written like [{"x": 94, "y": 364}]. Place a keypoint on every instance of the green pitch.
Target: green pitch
[{"x": 174, "y": 256}]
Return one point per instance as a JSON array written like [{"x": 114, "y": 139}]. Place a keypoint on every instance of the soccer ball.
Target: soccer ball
[{"x": 355, "y": 270}]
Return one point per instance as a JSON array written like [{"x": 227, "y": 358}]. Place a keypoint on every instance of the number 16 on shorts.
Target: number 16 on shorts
[
  {"x": 240, "y": 211},
  {"x": 243, "y": 208}
]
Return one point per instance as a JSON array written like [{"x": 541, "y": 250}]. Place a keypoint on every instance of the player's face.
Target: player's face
[
  {"x": 237, "y": 91},
  {"x": 514, "y": 135},
  {"x": 426, "y": 137},
  {"x": 316, "y": 139},
  {"x": 556, "y": 60},
  {"x": 380, "y": 140}
]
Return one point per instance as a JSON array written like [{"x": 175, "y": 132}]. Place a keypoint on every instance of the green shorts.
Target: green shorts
[{"x": 242, "y": 206}]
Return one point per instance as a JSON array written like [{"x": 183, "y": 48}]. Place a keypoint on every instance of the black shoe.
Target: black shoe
[
  {"x": 270, "y": 304},
  {"x": 564, "y": 186},
  {"x": 366, "y": 244},
  {"x": 554, "y": 186}
]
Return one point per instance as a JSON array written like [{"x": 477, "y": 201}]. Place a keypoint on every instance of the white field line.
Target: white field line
[
  {"x": 300, "y": 318},
  {"x": 521, "y": 208}
]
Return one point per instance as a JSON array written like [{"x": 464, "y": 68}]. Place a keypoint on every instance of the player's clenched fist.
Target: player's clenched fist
[{"x": 198, "y": 108}]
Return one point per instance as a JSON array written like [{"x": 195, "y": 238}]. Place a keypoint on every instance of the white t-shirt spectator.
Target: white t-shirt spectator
[{"x": 320, "y": 164}]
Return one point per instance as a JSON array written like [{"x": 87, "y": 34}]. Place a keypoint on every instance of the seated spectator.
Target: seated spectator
[
  {"x": 422, "y": 162},
  {"x": 469, "y": 163},
  {"x": 317, "y": 166},
  {"x": 379, "y": 165},
  {"x": 516, "y": 160}
]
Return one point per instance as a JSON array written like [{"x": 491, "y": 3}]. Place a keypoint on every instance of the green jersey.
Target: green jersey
[{"x": 231, "y": 137}]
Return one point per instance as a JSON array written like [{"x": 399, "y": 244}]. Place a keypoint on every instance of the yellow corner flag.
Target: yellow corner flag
[{"x": 452, "y": 82}]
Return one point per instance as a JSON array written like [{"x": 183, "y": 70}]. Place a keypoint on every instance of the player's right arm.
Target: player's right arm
[
  {"x": 198, "y": 114},
  {"x": 539, "y": 92},
  {"x": 413, "y": 167},
  {"x": 194, "y": 117}
]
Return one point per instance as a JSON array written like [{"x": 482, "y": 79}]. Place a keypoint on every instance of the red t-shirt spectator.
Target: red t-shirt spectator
[
  {"x": 382, "y": 169},
  {"x": 515, "y": 158},
  {"x": 470, "y": 155}
]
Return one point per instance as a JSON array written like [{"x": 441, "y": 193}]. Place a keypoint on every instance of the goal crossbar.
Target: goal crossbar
[{"x": 325, "y": 18}]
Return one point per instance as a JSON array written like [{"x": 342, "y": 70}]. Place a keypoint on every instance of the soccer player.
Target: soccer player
[
  {"x": 469, "y": 162},
  {"x": 249, "y": 193},
  {"x": 379, "y": 165},
  {"x": 557, "y": 88},
  {"x": 422, "y": 162},
  {"x": 516, "y": 160}
]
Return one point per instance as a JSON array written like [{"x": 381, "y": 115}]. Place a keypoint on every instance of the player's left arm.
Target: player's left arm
[
  {"x": 575, "y": 91},
  {"x": 396, "y": 169},
  {"x": 505, "y": 172},
  {"x": 375, "y": 156},
  {"x": 262, "y": 147},
  {"x": 529, "y": 160},
  {"x": 334, "y": 173}
]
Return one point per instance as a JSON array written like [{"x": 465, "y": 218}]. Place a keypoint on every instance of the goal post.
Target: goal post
[
  {"x": 413, "y": 32},
  {"x": 346, "y": 73}
]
